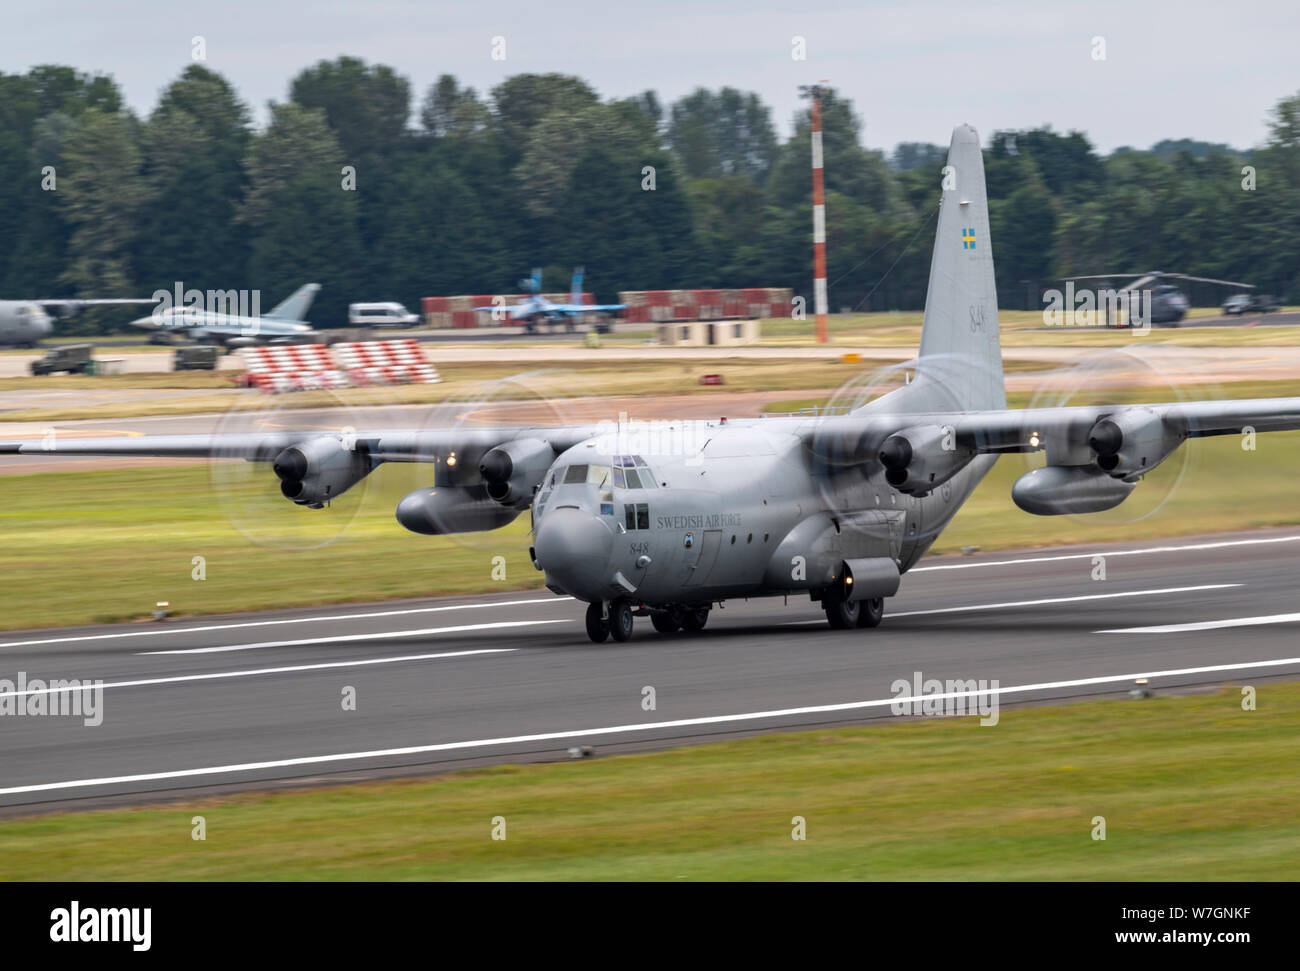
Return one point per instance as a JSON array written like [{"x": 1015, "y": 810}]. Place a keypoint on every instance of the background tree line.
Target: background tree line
[{"x": 466, "y": 191}]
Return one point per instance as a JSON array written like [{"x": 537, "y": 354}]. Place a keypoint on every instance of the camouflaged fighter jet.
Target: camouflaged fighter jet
[{"x": 837, "y": 508}]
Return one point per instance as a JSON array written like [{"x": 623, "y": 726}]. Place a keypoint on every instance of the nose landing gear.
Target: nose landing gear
[
  {"x": 597, "y": 624},
  {"x": 617, "y": 623}
]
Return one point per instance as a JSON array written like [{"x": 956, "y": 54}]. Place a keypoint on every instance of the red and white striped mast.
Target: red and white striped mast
[{"x": 819, "y": 211}]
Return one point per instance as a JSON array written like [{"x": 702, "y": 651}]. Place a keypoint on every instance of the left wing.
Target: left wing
[{"x": 1094, "y": 453}]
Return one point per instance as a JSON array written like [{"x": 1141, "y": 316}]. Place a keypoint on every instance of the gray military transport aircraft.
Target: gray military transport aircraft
[
  {"x": 834, "y": 507},
  {"x": 24, "y": 322}
]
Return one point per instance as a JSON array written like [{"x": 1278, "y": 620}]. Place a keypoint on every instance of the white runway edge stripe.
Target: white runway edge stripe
[
  {"x": 646, "y": 727},
  {"x": 1044, "y": 601},
  {"x": 252, "y": 672},
  {"x": 382, "y": 635},
  {"x": 1259, "y": 621},
  {"x": 330, "y": 618},
  {"x": 1065, "y": 600},
  {"x": 1189, "y": 548}
]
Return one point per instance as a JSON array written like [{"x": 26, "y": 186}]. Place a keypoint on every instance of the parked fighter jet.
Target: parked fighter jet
[
  {"x": 24, "y": 322},
  {"x": 226, "y": 319},
  {"x": 537, "y": 309},
  {"x": 837, "y": 508}
]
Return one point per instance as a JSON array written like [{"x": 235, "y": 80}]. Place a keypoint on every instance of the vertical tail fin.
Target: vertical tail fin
[
  {"x": 575, "y": 288},
  {"x": 296, "y": 307},
  {"x": 535, "y": 281},
  {"x": 960, "y": 330}
]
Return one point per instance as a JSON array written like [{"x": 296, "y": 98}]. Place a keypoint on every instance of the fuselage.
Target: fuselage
[
  {"x": 750, "y": 510},
  {"x": 23, "y": 323},
  {"x": 201, "y": 323}
]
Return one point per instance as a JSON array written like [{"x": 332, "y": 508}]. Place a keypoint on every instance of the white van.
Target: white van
[{"x": 380, "y": 315}]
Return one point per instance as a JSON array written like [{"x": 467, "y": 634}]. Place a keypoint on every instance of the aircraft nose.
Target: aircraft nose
[{"x": 573, "y": 547}]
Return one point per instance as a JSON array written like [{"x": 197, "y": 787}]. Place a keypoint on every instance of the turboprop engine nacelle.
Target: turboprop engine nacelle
[
  {"x": 320, "y": 469},
  {"x": 511, "y": 470},
  {"x": 1132, "y": 442},
  {"x": 1060, "y": 489},
  {"x": 452, "y": 509},
  {"x": 920, "y": 459}
]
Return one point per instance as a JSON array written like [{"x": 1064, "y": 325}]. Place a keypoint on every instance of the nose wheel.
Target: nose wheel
[
  {"x": 597, "y": 625},
  {"x": 617, "y": 624}
]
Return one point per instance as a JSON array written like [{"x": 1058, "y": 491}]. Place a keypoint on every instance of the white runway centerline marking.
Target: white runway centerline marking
[
  {"x": 1206, "y": 625},
  {"x": 349, "y": 638},
  {"x": 1046, "y": 600},
  {"x": 166, "y": 629},
  {"x": 617, "y": 729},
  {"x": 252, "y": 672},
  {"x": 1060, "y": 557}
]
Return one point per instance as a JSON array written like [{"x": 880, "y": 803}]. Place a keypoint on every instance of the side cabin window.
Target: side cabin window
[{"x": 636, "y": 515}]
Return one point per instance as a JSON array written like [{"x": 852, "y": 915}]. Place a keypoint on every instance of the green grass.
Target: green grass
[
  {"x": 1191, "y": 788},
  {"x": 1065, "y": 394},
  {"x": 461, "y": 382},
  {"x": 1021, "y": 328},
  {"x": 104, "y": 546}
]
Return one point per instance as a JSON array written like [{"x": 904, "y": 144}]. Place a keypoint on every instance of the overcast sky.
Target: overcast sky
[{"x": 1205, "y": 70}]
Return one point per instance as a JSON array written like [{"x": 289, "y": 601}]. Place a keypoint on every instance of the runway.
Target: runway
[{"x": 256, "y": 700}]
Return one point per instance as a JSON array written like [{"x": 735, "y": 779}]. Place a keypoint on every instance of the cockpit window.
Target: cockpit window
[
  {"x": 575, "y": 474},
  {"x": 598, "y": 475},
  {"x": 632, "y": 472}
]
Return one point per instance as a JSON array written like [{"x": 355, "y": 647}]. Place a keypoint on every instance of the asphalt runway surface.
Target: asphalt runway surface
[{"x": 219, "y": 704}]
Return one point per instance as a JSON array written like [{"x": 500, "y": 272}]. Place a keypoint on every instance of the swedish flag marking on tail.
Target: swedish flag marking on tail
[{"x": 968, "y": 238}]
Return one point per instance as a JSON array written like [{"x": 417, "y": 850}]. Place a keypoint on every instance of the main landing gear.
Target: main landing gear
[
  {"x": 842, "y": 614},
  {"x": 616, "y": 622}
]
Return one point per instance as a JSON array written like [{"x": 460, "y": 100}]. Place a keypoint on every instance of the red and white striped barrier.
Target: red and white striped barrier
[
  {"x": 310, "y": 367},
  {"x": 386, "y": 362},
  {"x": 292, "y": 367}
]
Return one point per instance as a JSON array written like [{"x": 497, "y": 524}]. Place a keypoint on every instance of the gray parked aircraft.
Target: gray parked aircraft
[
  {"x": 24, "y": 322},
  {"x": 228, "y": 321},
  {"x": 834, "y": 507}
]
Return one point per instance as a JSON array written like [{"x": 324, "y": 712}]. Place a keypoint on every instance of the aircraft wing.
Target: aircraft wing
[
  {"x": 513, "y": 312},
  {"x": 1014, "y": 428},
  {"x": 1071, "y": 435},
  {"x": 107, "y": 301},
  {"x": 582, "y": 308},
  {"x": 400, "y": 445}
]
